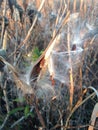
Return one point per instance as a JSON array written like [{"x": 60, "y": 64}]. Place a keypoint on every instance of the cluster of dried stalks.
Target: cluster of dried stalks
[{"x": 59, "y": 87}]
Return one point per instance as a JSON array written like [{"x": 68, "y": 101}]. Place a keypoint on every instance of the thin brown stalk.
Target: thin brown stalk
[
  {"x": 3, "y": 23},
  {"x": 4, "y": 46},
  {"x": 31, "y": 29},
  {"x": 71, "y": 84},
  {"x": 58, "y": 18},
  {"x": 16, "y": 32},
  {"x": 68, "y": 3},
  {"x": 78, "y": 104},
  {"x": 74, "y": 5},
  {"x": 80, "y": 71},
  {"x": 72, "y": 127},
  {"x": 85, "y": 8},
  {"x": 6, "y": 98},
  {"x": 63, "y": 13},
  {"x": 40, "y": 116},
  {"x": 59, "y": 11},
  {"x": 81, "y": 5}
]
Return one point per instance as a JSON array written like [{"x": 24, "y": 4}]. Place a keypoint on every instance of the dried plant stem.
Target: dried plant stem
[
  {"x": 71, "y": 84},
  {"x": 17, "y": 59},
  {"x": 4, "y": 122},
  {"x": 61, "y": 120},
  {"x": 81, "y": 5},
  {"x": 3, "y": 86},
  {"x": 93, "y": 117},
  {"x": 74, "y": 5},
  {"x": 33, "y": 24},
  {"x": 40, "y": 116},
  {"x": 68, "y": 3},
  {"x": 5, "y": 41},
  {"x": 80, "y": 83},
  {"x": 72, "y": 127},
  {"x": 78, "y": 104},
  {"x": 16, "y": 34},
  {"x": 58, "y": 18},
  {"x": 3, "y": 23},
  {"x": 9, "y": 65},
  {"x": 71, "y": 87},
  {"x": 6, "y": 99},
  {"x": 59, "y": 11},
  {"x": 63, "y": 13},
  {"x": 85, "y": 8},
  {"x": 19, "y": 120}
]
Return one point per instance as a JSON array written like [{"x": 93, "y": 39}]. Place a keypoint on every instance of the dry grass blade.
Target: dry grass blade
[{"x": 93, "y": 117}]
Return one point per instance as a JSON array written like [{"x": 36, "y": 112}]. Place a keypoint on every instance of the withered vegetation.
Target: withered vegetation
[{"x": 48, "y": 64}]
